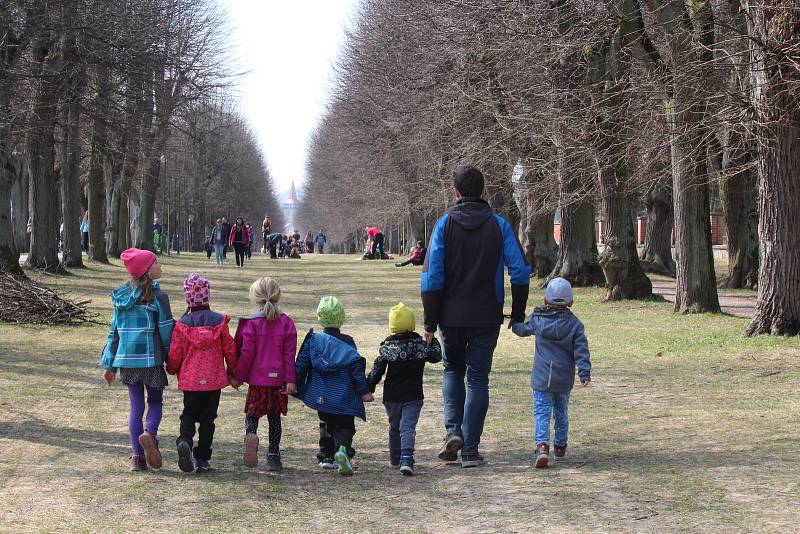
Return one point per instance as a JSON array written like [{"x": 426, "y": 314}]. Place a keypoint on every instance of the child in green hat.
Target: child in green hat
[{"x": 330, "y": 379}]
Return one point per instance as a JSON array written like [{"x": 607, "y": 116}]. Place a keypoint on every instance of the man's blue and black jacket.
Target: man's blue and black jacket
[{"x": 462, "y": 279}]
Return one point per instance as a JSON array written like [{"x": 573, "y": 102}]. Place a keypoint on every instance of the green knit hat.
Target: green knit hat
[{"x": 330, "y": 312}]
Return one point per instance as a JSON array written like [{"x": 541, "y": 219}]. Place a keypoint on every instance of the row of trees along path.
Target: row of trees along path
[
  {"x": 597, "y": 110},
  {"x": 122, "y": 108}
]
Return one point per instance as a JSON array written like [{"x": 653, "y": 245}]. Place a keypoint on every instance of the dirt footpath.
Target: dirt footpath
[{"x": 735, "y": 303}]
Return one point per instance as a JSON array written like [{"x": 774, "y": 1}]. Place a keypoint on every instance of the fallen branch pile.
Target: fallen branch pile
[{"x": 23, "y": 301}]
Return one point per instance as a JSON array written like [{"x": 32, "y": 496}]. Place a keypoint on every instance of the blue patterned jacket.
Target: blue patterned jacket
[{"x": 139, "y": 334}]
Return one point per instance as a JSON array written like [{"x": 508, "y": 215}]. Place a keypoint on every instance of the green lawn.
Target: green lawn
[{"x": 687, "y": 426}]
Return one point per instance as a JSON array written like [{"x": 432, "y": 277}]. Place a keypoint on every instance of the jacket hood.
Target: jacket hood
[
  {"x": 330, "y": 354},
  {"x": 126, "y": 295},
  {"x": 470, "y": 213},
  {"x": 555, "y": 322}
]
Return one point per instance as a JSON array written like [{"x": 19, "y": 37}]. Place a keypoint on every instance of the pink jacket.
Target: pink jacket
[
  {"x": 245, "y": 235},
  {"x": 200, "y": 354},
  {"x": 266, "y": 351}
]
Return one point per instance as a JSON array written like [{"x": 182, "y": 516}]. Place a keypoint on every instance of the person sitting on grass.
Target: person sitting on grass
[
  {"x": 561, "y": 345},
  {"x": 330, "y": 379},
  {"x": 404, "y": 353},
  {"x": 203, "y": 355},
  {"x": 417, "y": 256},
  {"x": 138, "y": 343}
]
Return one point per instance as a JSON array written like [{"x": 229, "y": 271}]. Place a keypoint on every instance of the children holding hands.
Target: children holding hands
[
  {"x": 266, "y": 343},
  {"x": 561, "y": 346},
  {"x": 202, "y": 349},
  {"x": 330, "y": 379},
  {"x": 404, "y": 353},
  {"x": 139, "y": 337}
]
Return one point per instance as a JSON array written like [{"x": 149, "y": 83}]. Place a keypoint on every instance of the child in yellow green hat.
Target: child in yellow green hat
[{"x": 404, "y": 353}]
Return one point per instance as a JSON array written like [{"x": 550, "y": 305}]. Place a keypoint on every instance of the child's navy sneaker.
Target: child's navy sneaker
[
  {"x": 407, "y": 465},
  {"x": 542, "y": 455},
  {"x": 185, "y": 456},
  {"x": 341, "y": 458},
  {"x": 274, "y": 462},
  {"x": 203, "y": 466},
  {"x": 327, "y": 463}
]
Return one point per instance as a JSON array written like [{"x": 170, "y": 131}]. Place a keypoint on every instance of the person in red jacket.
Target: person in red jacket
[
  {"x": 239, "y": 239},
  {"x": 200, "y": 351},
  {"x": 266, "y": 343}
]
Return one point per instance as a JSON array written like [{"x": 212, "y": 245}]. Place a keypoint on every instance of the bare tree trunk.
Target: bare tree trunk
[
  {"x": 542, "y": 249},
  {"x": 9, "y": 254},
  {"x": 97, "y": 192},
  {"x": 656, "y": 255},
  {"x": 41, "y": 153},
  {"x": 619, "y": 260},
  {"x": 71, "y": 158},
  {"x": 775, "y": 31}
]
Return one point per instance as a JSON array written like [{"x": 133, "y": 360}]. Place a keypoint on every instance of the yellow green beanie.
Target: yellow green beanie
[
  {"x": 401, "y": 319},
  {"x": 330, "y": 312}
]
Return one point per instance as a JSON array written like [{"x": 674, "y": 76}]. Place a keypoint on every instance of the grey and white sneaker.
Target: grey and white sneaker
[
  {"x": 327, "y": 463},
  {"x": 472, "y": 460}
]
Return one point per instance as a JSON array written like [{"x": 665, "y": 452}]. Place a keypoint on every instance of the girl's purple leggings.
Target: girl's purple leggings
[{"x": 155, "y": 403}]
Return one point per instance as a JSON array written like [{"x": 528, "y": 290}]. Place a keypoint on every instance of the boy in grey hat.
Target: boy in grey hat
[{"x": 561, "y": 346}]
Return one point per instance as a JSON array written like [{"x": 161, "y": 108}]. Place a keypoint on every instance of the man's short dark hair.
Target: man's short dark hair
[{"x": 468, "y": 181}]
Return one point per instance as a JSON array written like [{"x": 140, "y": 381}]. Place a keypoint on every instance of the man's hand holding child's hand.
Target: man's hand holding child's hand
[
  {"x": 234, "y": 383},
  {"x": 367, "y": 397}
]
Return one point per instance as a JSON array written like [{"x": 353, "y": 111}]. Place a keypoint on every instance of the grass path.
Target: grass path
[{"x": 687, "y": 426}]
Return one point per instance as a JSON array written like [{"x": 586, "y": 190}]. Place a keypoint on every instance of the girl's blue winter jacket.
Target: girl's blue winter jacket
[
  {"x": 561, "y": 345},
  {"x": 330, "y": 376},
  {"x": 139, "y": 334}
]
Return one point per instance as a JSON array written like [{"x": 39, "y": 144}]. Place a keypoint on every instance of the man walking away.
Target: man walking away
[
  {"x": 462, "y": 294},
  {"x": 321, "y": 239}
]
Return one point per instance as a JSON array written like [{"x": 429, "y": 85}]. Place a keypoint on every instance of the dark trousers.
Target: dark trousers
[
  {"x": 273, "y": 250},
  {"x": 320, "y": 248},
  {"x": 199, "y": 407},
  {"x": 335, "y": 431},
  {"x": 241, "y": 250},
  {"x": 414, "y": 261},
  {"x": 85, "y": 241},
  {"x": 377, "y": 246}
]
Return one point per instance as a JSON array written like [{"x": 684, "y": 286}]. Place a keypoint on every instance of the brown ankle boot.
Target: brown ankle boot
[{"x": 542, "y": 455}]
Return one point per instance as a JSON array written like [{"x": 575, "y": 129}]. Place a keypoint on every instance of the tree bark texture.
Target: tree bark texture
[
  {"x": 9, "y": 254},
  {"x": 97, "y": 192},
  {"x": 576, "y": 259},
  {"x": 774, "y": 28},
  {"x": 43, "y": 252},
  {"x": 656, "y": 255}
]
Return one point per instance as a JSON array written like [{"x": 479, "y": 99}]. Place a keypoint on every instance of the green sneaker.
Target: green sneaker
[{"x": 343, "y": 460}]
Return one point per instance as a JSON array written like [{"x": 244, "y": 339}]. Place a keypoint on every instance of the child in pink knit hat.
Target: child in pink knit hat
[
  {"x": 138, "y": 340},
  {"x": 203, "y": 355}
]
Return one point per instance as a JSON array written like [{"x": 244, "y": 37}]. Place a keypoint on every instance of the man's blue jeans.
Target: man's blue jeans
[
  {"x": 219, "y": 250},
  {"x": 403, "y": 418},
  {"x": 547, "y": 406},
  {"x": 467, "y": 354}
]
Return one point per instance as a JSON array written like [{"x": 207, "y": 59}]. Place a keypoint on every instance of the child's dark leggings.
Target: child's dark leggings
[
  {"x": 275, "y": 430},
  {"x": 335, "y": 431}
]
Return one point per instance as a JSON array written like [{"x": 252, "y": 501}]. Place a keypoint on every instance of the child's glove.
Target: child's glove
[{"x": 109, "y": 377}]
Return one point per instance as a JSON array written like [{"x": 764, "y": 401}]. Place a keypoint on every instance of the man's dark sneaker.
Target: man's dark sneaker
[
  {"x": 203, "y": 466},
  {"x": 185, "y": 456},
  {"x": 472, "y": 460},
  {"x": 407, "y": 465},
  {"x": 449, "y": 450},
  {"x": 560, "y": 450},
  {"x": 274, "y": 462},
  {"x": 542, "y": 455}
]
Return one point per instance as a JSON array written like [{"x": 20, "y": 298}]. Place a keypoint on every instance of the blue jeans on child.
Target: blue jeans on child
[
  {"x": 548, "y": 406},
  {"x": 403, "y": 418},
  {"x": 467, "y": 354}
]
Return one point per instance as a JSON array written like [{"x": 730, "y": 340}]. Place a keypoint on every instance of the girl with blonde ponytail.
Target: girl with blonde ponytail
[{"x": 266, "y": 343}]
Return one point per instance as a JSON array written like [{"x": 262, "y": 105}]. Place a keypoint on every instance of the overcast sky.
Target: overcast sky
[{"x": 289, "y": 48}]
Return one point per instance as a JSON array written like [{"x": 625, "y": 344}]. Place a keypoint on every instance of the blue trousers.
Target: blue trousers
[
  {"x": 467, "y": 355},
  {"x": 219, "y": 251},
  {"x": 547, "y": 406},
  {"x": 403, "y": 418}
]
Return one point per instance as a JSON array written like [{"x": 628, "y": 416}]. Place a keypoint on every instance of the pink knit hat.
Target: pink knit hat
[
  {"x": 196, "y": 291},
  {"x": 137, "y": 261}
]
